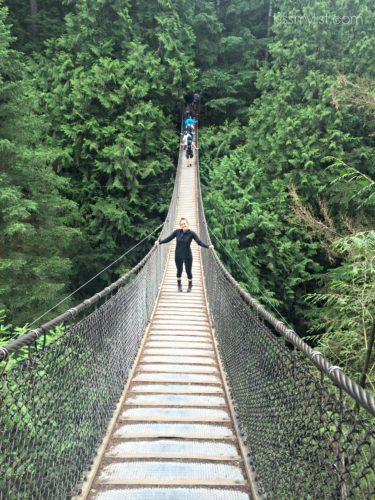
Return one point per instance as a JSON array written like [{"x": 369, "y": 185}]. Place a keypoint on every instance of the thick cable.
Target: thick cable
[
  {"x": 91, "y": 279},
  {"x": 249, "y": 278},
  {"x": 338, "y": 377}
]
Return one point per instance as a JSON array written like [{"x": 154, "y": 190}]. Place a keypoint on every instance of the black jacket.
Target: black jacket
[{"x": 183, "y": 243}]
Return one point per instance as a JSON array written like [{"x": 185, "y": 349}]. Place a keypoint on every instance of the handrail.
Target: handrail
[
  {"x": 30, "y": 337},
  {"x": 333, "y": 372}
]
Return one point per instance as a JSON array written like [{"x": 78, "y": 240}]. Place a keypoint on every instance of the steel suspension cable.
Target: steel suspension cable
[
  {"x": 248, "y": 277},
  {"x": 96, "y": 276}
]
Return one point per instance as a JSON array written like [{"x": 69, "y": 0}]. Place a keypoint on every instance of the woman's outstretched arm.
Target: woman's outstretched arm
[
  {"x": 170, "y": 237},
  {"x": 200, "y": 242}
]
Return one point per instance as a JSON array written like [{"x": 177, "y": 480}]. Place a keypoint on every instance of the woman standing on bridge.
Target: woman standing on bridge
[{"x": 183, "y": 255}]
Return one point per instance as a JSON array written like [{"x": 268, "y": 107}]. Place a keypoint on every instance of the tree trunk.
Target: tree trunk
[
  {"x": 218, "y": 8},
  {"x": 34, "y": 13},
  {"x": 33, "y": 7},
  {"x": 269, "y": 24}
]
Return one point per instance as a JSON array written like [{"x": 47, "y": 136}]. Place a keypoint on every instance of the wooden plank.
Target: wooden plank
[
  {"x": 195, "y": 420},
  {"x": 187, "y": 324},
  {"x": 135, "y": 390},
  {"x": 180, "y": 381},
  {"x": 173, "y": 328},
  {"x": 192, "y": 315},
  {"x": 200, "y": 343},
  {"x": 176, "y": 435},
  {"x": 175, "y": 456},
  {"x": 183, "y": 306},
  {"x": 174, "y": 405},
  {"x": 179, "y": 345},
  {"x": 171, "y": 362},
  {"x": 170, "y": 344},
  {"x": 196, "y": 327},
  {"x": 147, "y": 352},
  {"x": 182, "y": 319},
  {"x": 205, "y": 336},
  {"x": 186, "y": 317},
  {"x": 167, "y": 370},
  {"x": 176, "y": 482},
  {"x": 186, "y": 301},
  {"x": 208, "y": 354}
]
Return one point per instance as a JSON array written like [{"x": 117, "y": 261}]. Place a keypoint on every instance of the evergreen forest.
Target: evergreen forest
[{"x": 89, "y": 136}]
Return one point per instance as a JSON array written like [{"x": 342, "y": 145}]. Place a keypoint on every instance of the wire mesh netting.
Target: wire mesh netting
[
  {"x": 57, "y": 404},
  {"x": 58, "y": 393},
  {"x": 306, "y": 439}
]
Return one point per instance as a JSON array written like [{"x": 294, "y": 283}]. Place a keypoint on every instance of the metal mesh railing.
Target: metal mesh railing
[
  {"x": 297, "y": 413},
  {"x": 61, "y": 382}
]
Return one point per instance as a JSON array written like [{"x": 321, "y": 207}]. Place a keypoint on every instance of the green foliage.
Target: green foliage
[
  {"x": 34, "y": 216},
  {"x": 344, "y": 312},
  {"x": 252, "y": 221},
  {"x": 364, "y": 194},
  {"x": 343, "y": 318},
  {"x": 107, "y": 82},
  {"x": 112, "y": 80},
  {"x": 230, "y": 42},
  {"x": 299, "y": 135},
  {"x": 8, "y": 331},
  {"x": 31, "y": 30}
]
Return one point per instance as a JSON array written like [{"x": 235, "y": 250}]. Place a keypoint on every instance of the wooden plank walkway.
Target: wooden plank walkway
[{"x": 173, "y": 436}]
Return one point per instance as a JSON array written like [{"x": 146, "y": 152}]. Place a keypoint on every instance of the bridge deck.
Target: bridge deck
[{"x": 174, "y": 435}]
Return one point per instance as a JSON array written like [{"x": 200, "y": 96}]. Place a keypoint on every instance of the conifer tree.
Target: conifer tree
[
  {"x": 110, "y": 83},
  {"x": 34, "y": 21},
  {"x": 35, "y": 218},
  {"x": 294, "y": 137},
  {"x": 231, "y": 38}
]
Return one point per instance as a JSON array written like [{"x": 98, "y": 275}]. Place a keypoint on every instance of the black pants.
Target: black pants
[
  {"x": 189, "y": 152},
  {"x": 188, "y": 261}
]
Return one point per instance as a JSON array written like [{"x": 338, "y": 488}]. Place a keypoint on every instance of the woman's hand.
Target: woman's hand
[
  {"x": 157, "y": 243},
  {"x": 211, "y": 247}
]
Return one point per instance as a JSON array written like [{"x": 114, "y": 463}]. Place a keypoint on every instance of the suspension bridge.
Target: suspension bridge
[{"x": 141, "y": 392}]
